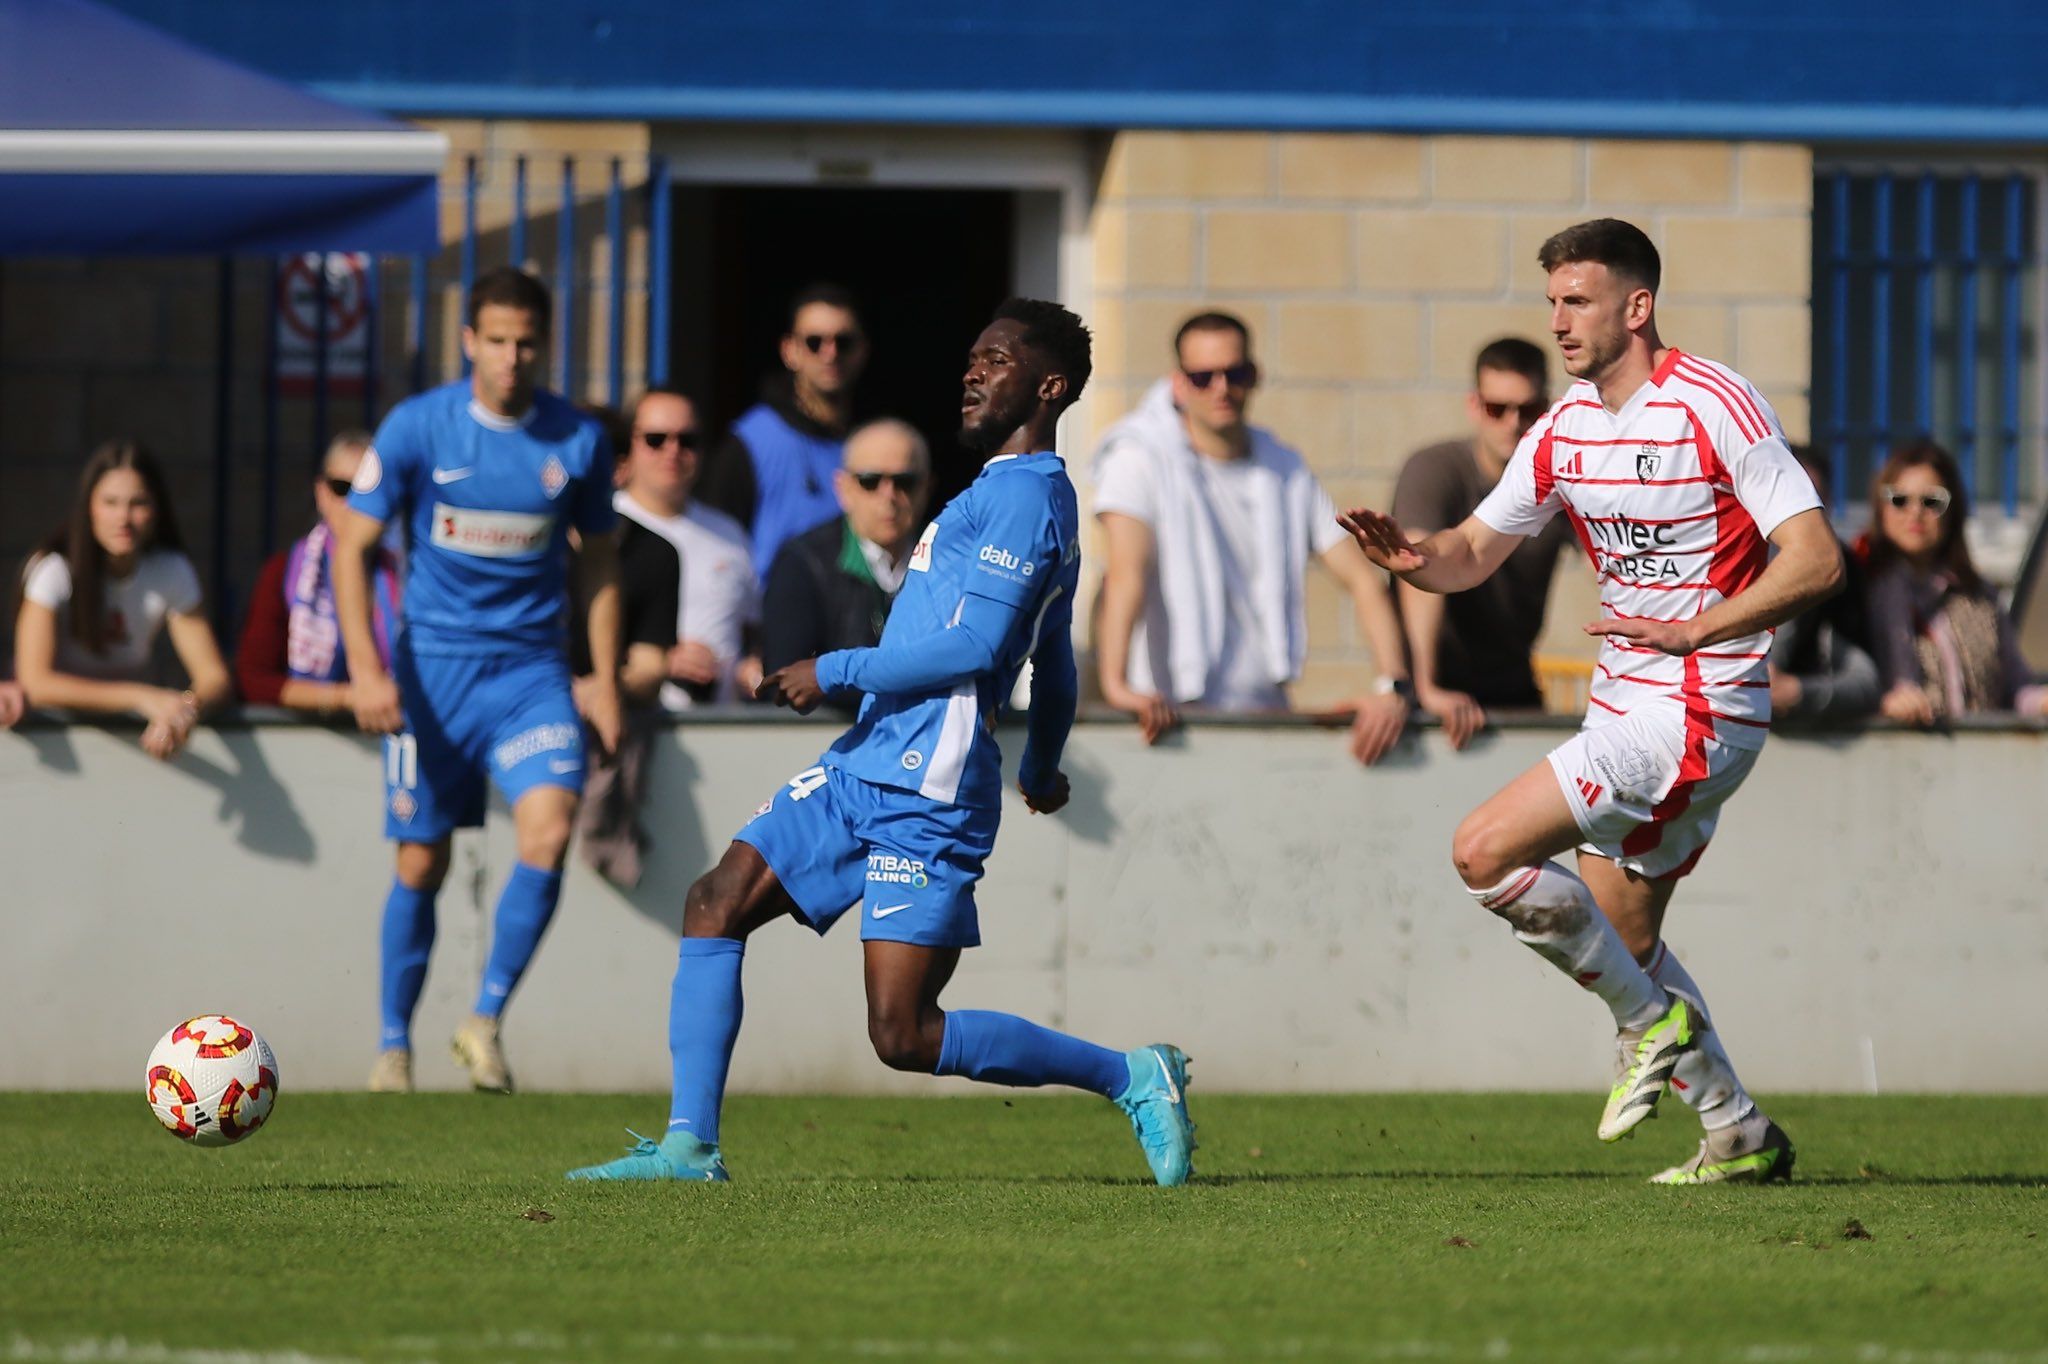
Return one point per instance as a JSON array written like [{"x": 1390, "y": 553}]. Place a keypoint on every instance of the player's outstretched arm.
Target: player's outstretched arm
[
  {"x": 934, "y": 662},
  {"x": 1449, "y": 561},
  {"x": 1055, "y": 696},
  {"x": 1807, "y": 570},
  {"x": 371, "y": 691}
]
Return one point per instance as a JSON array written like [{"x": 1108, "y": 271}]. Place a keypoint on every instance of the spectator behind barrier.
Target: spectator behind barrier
[
  {"x": 1821, "y": 669},
  {"x": 1470, "y": 650},
  {"x": 1209, "y": 525},
  {"x": 291, "y": 653},
  {"x": 831, "y": 587},
  {"x": 774, "y": 472},
  {"x": 685, "y": 569},
  {"x": 1944, "y": 646},
  {"x": 97, "y": 593}
]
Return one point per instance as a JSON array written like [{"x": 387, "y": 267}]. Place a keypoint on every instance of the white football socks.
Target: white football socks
[
  {"x": 1705, "y": 1077},
  {"x": 1554, "y": 912}
]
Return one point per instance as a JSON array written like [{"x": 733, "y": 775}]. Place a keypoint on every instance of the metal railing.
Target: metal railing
[
  {"x": 1927, "y": 324},
  {"x": 571, "y": 276}
]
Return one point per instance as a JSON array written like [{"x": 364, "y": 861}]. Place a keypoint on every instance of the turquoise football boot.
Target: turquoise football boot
[
  {"x": 677, "y": 1156},
  {"x": 1157, "y": 1104}
]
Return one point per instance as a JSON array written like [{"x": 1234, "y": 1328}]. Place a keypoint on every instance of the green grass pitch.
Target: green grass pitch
[{"x": 1475, "y": 1227}]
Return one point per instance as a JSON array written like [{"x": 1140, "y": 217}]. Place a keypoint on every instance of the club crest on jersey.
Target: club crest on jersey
[
  {"x": 553, "y": 477},
  {"x": 1647, "y": 459}
]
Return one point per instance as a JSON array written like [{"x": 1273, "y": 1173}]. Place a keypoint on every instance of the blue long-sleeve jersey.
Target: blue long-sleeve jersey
[{"x": 991, "y": 584}]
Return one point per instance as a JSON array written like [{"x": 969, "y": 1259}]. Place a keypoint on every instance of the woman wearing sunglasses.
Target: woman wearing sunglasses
[
  {"x": 291, "y": 652},
  {"x": 99, "y": 591},
  {"x": 1944, "y": 646}
]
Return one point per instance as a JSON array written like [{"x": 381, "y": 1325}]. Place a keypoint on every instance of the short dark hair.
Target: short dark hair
[
  {"x": 831, "y": 295},
  {"x": 1059, "y": 334},
  {"x": 507, "y": 286},
  {"x": 1214, "y": 321},
  {"x": 1622, "y": 247},
  {"x": 1513, "y": 355}
]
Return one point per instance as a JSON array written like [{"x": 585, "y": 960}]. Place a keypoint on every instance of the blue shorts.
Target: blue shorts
[
  {"x": 511, "y": 716},
  {"x": 907, "y": 865}
]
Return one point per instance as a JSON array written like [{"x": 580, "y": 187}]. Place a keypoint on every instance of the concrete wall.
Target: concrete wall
[
  {"x": 1372, "y": 268},
  {"x": 1870, "y": 915}
]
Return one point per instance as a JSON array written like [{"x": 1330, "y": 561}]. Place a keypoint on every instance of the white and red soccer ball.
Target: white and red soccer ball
[{"x": 212, "y": 1081}]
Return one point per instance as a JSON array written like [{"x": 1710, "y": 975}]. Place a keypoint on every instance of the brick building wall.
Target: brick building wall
[{"x": 1371, "y": 268}]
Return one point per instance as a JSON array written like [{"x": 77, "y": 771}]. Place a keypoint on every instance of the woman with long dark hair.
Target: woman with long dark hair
[
  {"x": 97, "y": 593},
  {"x": 1944, "y": 646}
]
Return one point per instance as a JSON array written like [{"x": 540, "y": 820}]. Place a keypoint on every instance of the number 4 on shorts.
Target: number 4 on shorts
[{"x": 805, "y": 782}]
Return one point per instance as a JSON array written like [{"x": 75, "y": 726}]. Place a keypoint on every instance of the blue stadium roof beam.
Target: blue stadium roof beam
[{"x": 119, "y": 139}]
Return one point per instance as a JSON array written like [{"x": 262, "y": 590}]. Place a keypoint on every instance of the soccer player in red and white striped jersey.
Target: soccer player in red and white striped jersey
[{"x": 1675, "y": 475}]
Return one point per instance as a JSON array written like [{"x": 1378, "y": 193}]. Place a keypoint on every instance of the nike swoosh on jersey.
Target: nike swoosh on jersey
[
  {"x": 880, "y": 913},
  {"x": 563, "y": 765},
  {"x": 452, "y": 475}
]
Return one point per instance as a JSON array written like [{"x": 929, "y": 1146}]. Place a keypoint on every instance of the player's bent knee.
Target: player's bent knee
[
  {"x": 1480, "y": 854},
  {"x": 900, "y": 1043},
  {"x": 546, "y": 844},
  {"x": 713, "y": 909},
  {"x": 423, "y": 866}
]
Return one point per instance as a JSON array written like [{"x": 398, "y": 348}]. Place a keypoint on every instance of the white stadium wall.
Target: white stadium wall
[{"x": 1868, "y": 917}]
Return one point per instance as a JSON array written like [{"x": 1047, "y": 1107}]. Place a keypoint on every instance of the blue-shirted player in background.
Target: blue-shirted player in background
[
  {"x": 898, "y": 816},
  {"x": 489, "y": 475}
]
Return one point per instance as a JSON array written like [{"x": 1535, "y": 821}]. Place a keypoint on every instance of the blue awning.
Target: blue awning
[{"x": 118, "y": 139}]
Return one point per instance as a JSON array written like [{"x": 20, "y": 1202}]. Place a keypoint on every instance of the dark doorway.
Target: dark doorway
[{"x": 928, "y": 266}]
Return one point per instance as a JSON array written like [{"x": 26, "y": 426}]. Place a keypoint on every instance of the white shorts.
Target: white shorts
[{"x": 1647, "y": 788}]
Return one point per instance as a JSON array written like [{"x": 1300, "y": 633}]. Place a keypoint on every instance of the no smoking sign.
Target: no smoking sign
[{"x": 298, "y": 318}]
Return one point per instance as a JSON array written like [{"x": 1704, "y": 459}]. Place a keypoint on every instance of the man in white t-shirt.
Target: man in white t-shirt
[
  {"x": 678, "y": 555},
  {"x": 1209, "y": 524},
  {"x": 1675, "y": 474}
]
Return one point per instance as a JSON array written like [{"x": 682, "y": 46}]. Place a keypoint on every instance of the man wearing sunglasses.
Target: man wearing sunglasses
[
  {"x": 774, "y": 472},
  {"x": 1209, "y": 524},
  {"x": 690, "y": 601},
  {"x": 291, "y": 653},
  {"x": 1470, "y": 651},
  {"x": 831, "y": 588}
]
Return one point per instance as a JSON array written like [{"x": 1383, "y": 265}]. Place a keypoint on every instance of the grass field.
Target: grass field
[{"x": 1394, "y": 1228}]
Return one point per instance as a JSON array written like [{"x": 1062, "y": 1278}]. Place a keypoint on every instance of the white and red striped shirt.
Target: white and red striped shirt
[{"x": 1673, "y": 498}]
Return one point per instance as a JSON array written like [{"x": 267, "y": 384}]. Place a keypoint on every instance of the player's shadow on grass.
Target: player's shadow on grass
[
  {"x": 1987, "y": 1181},
  {"x": 252, "y": 799},
  {"x": 318, "y": 1186}
]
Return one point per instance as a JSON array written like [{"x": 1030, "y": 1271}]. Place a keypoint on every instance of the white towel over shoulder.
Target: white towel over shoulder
[{"x": 1209, "y": 585}]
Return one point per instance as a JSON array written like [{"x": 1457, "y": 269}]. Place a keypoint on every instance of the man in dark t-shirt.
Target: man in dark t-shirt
[{"x": 1470, "y": 651}]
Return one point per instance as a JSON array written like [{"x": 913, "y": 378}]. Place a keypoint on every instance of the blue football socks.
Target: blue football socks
[
  {"x": 703, "y": 1023},
  {"x": 408, "y": 940},
  {"x": 524, "y": 908},
  {"x": 1003, "y": 1049}
]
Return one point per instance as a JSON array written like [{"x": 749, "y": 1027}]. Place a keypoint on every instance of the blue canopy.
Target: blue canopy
[{"x": 116, "y": 138}]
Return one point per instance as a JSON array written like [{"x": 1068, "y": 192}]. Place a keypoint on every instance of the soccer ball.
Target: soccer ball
[{"x": 212, "y": 1081}]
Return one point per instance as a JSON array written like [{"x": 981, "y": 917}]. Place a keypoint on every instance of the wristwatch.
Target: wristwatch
[{"x": 1395, "y": 686}]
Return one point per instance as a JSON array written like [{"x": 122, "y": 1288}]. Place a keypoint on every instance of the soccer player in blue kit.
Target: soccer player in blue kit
[
  {"x": 897, "y": 817},
  {"x": 489, "y": 474}
]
